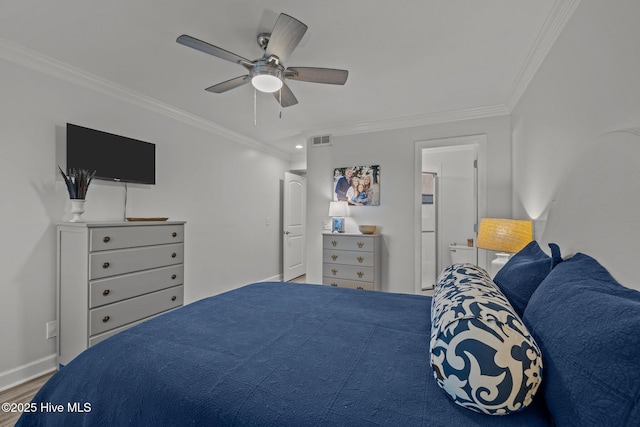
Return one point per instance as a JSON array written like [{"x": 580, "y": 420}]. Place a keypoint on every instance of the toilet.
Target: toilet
[{"x": 461, "y": 254}]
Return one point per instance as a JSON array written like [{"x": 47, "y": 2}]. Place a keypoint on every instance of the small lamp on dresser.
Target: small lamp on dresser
[
  {"x": 507, "y": 236},
  {"x": 337, "y": 210}
]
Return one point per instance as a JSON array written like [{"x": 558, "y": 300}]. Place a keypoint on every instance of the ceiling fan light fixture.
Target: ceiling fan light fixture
[{"x": 266, "y": 83}]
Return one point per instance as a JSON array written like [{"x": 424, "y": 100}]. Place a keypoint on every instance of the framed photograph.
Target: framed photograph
[{"x": 357, "y": 185}]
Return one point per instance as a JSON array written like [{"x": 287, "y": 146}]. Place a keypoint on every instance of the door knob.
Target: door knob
[{"x": 287, "y": 232}]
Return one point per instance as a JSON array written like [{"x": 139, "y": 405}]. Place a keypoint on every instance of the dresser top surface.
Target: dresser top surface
[
  {"x": 351, "y": 234},
  {"x": 92, "y": 224}
]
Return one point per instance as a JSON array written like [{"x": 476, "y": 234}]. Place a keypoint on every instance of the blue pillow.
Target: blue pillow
[
  {"x": 522, "y": 274},
  {"x": 481, "y": 353},
  {"x": 588, "y": 328}
]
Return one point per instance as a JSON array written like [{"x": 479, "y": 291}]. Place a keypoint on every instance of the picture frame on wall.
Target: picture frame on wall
[{"x": 357, "y": 185}]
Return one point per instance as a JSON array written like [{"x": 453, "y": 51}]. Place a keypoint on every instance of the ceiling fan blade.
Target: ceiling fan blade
[
  {"x": 330, "y": 76},
  {"x": 205, "y": 47},
  {"x": 285, "y": 36},
  {"x": 229, "y": 84},
  {"x": 288, "y": 98}
]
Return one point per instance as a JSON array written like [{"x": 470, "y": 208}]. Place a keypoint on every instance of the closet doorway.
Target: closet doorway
[{"x": 450, "y": 188}]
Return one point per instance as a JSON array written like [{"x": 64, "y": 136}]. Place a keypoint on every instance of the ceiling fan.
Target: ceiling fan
[{"x": 267, "y": 74}]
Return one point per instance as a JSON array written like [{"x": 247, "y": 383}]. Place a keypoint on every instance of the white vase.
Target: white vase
[{"x": 77, "y": 209}]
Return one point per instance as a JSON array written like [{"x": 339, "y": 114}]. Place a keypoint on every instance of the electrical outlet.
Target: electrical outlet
[{"x": 52, "y": 329}]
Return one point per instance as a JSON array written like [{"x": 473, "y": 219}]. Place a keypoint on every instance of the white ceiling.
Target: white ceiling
[{"x": 407, "y": 59}]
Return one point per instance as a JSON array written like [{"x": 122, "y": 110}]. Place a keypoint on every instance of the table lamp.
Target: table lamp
[
  {"x": 507, "y": 236},
  {"x": 337, "y": 210}
]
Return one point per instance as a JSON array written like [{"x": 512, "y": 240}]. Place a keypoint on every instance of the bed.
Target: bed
[
  {"x": 287, "y": 354},
  {"x": 267, "y": 354}
]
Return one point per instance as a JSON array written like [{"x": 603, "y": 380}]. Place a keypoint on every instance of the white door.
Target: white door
[{"x": 294, "y": 227}]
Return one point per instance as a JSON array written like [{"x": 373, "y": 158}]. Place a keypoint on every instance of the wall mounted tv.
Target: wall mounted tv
[{"x": 113, "y": 157}]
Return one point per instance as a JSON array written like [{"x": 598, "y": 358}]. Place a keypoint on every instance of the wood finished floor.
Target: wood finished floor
[
  {"x": 300, "y": 279},
  {"x": 22, "y": 393}
]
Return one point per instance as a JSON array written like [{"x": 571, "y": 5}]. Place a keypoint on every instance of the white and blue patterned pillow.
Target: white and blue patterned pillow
[{"x": 481, "y": 353}]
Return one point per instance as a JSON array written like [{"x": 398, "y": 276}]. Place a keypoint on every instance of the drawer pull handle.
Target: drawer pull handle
[
  {"x": 173, "y": 255},
  {"x": 174, "y": 234},
  {"x": 334, "y": 243},
  {"x": 105, "y": 319},
  {"x": 334, "y": 284},
  {"x": 106, "y": 239},
  {"x": 360, "y": 244},
  {"x": 106, "y": 265},
  {"x": 360, "y": 287},
  {"x": 334, "y": 271},
  {"x": 360, "y": 259},
  {"x": 173, "y": 298},
  {"x": 334, "y": 257},
  {"x": 360, "y": 274},
  {"x": 173, "y": 277},
  {"x": 106, "y": 292}
]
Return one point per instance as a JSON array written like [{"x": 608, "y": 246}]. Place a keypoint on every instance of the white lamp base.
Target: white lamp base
[{"x": 498, "y": 263}]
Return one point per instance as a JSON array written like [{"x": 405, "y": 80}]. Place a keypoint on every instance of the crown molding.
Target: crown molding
[
  {"x": 28, "y": 58},
  {"x": 560, "y": 14},
  {"x": 413, "y": 121},
  {"x": 558, "y": 17}
]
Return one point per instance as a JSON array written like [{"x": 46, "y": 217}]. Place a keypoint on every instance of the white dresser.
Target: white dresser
[
  {"x": 351, "y": 260},
  {"x": 113, "y": 275}
]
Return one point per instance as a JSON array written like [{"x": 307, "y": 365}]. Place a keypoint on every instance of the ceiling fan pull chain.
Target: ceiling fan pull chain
[
  {"x": 280, "y": 102},
  {"x": 255, "y": 110}
]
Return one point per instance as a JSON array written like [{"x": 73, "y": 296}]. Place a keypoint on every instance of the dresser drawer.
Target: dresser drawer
[
  {"x": 113, "y": 289},
  {"x": 101, "y": 337},
  {"x": 349, "y": 243},
  {"x": 349, "y": 272},
  {"x": 107, "y": 238},
  {"x": 348, "y": 257},
  {"x": 353, "y": 284},
  {"x": 121, "y": 313},
  {"x": 112, "y": 263}
]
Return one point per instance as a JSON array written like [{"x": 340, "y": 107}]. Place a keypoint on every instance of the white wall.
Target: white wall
[
  {"x": 394, "y": 151},
  {"x": 223, "y": 189},
  {"x": 587, "y": 85}
]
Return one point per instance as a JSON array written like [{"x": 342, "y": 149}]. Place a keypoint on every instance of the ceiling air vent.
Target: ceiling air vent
[{"x": 321, "y": 141}]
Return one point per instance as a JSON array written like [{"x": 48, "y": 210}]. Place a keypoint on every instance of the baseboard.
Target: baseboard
[
  {"x": 276, "y": 278},
  {"x": 24, "y": 373}
]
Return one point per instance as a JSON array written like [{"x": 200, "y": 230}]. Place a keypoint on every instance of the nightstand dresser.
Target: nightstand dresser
[
  {"x": 112, "y": 276},
  {"x": 351, "y": 260}
]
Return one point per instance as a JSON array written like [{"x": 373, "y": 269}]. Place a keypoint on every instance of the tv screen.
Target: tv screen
[{"x": 113, "y": 157}]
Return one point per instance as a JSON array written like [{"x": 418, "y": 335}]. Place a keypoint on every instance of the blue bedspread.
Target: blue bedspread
[{"x": 267, "y": 354}]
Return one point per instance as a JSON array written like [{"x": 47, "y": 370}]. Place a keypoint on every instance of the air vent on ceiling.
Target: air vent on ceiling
[{"x": 321, "y": 141}]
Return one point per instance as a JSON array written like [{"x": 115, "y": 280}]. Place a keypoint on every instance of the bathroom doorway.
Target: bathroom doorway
[{"x": 449, "y": 194}]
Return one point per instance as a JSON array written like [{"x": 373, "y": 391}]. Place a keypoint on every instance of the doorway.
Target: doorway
[
  {"x": 294, "y": 227},
  {"x": 450, "y": 188}
]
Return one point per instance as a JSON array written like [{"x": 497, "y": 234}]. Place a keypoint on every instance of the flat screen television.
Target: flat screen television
[{"x": 113, "y": 157}]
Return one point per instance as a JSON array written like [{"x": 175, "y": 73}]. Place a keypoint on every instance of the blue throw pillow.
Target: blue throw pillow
[
  {"x": 588, "y": 328},
  {"x": 481, "y": 353},
  {"x": 522, "y": 274}
]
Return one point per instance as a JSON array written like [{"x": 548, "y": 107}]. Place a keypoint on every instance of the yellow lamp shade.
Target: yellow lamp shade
[{"x": 504, "y": 235}]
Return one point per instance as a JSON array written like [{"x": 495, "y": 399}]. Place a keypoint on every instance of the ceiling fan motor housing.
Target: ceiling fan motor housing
[{"x": 263, "y": 66}]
